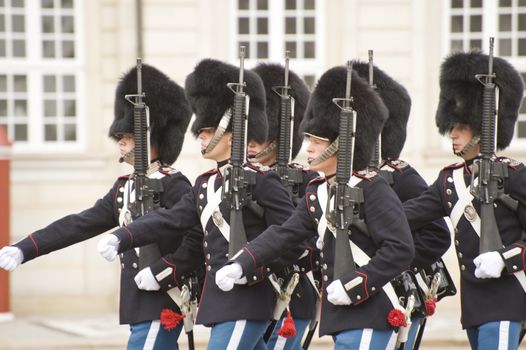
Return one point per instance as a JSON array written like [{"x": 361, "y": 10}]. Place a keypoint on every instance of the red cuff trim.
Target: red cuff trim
[
  {"x": 130, "y": 234},
  {"x": 34, "y": 243},
  {"x": 175, "y": 270},
  {"x": 365, "y": 287},
  {"x": 252, "y": 256}
]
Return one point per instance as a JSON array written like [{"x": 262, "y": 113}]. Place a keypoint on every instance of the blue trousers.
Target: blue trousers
[
  {"x": 150, "y": 335},
  {"x": 365, "y": 339},
  {"x": 411, "y": 337},
  {"x": 279, "y": 343},
  {"x": 498, "y": 335},
  {"x": 238, "y": 335}
]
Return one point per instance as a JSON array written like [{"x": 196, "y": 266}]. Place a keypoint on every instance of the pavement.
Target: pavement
[{"x": 102, "y": 332}]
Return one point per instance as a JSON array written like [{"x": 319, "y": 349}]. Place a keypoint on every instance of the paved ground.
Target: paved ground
[{"x": 102, "y": 332}]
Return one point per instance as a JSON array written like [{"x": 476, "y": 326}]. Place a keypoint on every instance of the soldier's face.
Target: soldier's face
[
  {"x": 315, "y": 148},
  {"x": 126, "y": 144},
  {"x": 222, "y": 149},
  {"x": 461, "y": 135},
  {"x": 254, "y": 148}
]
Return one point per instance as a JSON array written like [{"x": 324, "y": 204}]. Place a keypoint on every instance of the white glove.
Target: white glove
[
  {"x": 228, "y": 275},
  {"x": 146, "y": 281},
  {"x": 108, "y": 247},
  {"x": 10, "y": 258},
  {"x": 337, "y": 295},
  {"x": 488, "y": 265}
]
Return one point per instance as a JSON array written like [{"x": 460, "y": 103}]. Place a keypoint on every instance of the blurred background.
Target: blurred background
[{"x": 60, "y": 61}]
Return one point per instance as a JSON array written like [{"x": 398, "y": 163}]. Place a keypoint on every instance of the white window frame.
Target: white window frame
[
  {"x": 34, "y": 66},
  {"x": 490, "y": 12},
  {"x": 277, "y": 37}
]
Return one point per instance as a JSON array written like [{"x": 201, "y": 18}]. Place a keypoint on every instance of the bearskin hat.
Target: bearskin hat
[
  {"x": 274, "y": 75},
  {"x": 397, "y": 101},
  {"x": 208, "y": 95},
  {"x": 169, "y": 111},
  {"x": 322, "y": 117},
  {"x": 461, "y": 94}
]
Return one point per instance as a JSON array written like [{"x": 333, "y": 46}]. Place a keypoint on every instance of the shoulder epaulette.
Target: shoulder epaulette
[
  {"x": 257, "y": 167},
  {"x": 512, "y": 163},
  {"x": 299, "y": 166},
  {"x": 319, "y": 179},
  {"x": 454, "y": 166},
  {"x": 169, "y": 171},
  {"x": 124, "y": 177},
  {"x": 397, "y": 164},
  {"x": 365, "y": 174}
]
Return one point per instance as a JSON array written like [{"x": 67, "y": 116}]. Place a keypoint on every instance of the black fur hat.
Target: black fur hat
[
  {"x": 322, "y": 117},
  {"x": 397, "y": 101},
  {"x": 209, "y": 97},
  {"x": 273, "y": 75},
  {"x": 169, "y": 111},
  {"x": 461, "y": 94}
]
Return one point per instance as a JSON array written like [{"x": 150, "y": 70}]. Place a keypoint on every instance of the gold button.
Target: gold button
[
  {"x": 312, "y": 197},
  {"x": 448, "y": 191},
  {"x": 119, "y": 199},
  {"x": 515, "y": 267},
  {"x": 463, "y": 267},
  {"x": 373, "y": 289},
  {"x": 457, "y": 242},
  {"x": 121, "y": 189},
  {"x": 209, "y": 267},
  {"x": 449, "y": 205},
  {"x": 205, "y": 244},
  {"x": 208, "y": 256},
  {"x": 358, "y": 297},
  {"x": 204, "y": 185},
  {"x": 449, "y": 179},
  {"x": 122, "y": 265},
  {"x": 324, "y": 266},
  {"x": 312, "y": 209},
  {"x": 255, "y": 278},
  {"x": 169, "y": 286},
  {"x": 460, "y": 255},
  {"x": 325, "y": 278},
  {"x": 321, "y": 254},
  {"x": 201, "y": 196},
  {"x": 302, "y": 269},
  {"x": 134, "y": 265}
]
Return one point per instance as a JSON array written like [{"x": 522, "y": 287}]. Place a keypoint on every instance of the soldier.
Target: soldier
[
  {"x": 169, "y": 118},
  {"x": 303, "y": 300},
  {"x": 381, "y": 252},
  {"x": 493, "y": 285},
  {"x": 238, "y": 319},
  {"x": 432, "y": 240}
]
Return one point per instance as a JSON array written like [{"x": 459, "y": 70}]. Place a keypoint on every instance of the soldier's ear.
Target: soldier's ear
[{"x": 229, "y": 138}]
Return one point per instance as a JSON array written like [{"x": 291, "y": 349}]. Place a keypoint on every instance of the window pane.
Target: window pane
[
  {"x": 18, "y": 23},
  {"x": 20, "y": 132},
  {"x": 50, "y": 132},
  {"x": 521, "y": 129},
  {"x": 262, "y": 4},
  {"x": 68, "y": 83},
  {"x": 456, "y": 45},
  {"x": 505, "y": 3},
  {"x": 19, "y": 48},
  {"x": 504, "y": 23},
  {"x": 505, "y": 47},
  {"x": 475, "y": 24},
  {"x": 262, "y": 49},
  {"x": 522, "y": 47},
  {"x": 309, "y": 49},
  {"x": 290, "y": 4},
  {"x": 475, "y": 44},
  {"x": 3, "y": 108},
  {"x": 457, "y": 24},
  {"x": 522, "y": 110},
  {"x": 522, "y": 22},
  {"x": 47, "y": 4},
  {"x": 2, "y": 48},
  {"x": 522, "y": 2},
  {"x": 48, "y": 24},
  {"x": 67, "y": 4},
  {"x": 50, "y": 108},
  {"x": 50, "y": 83},
  {"x": 309, "y": 80},
  {"x": 243, "y": 24},
  {"x": 2, "y": 23},
  {"x": 70, "y": 109},
  {"x": 291, "y": 46},
  {"x": 68, "y": 49},
  {"x": 290, "y": 25},
  {"x": 70, "y": 133},
  {"x": 68, "y": 25},
  {"x": 308, "y": 4},
  {"x": 476, "y": 3},
  {"x": 20, "y": 83},
  {"x": 48, "y": 48},
  {"x": 20, "y": 108},
  {"x": 262, "y": 25},
  {"x": 17, "y": 3},
  {"x": 3, "y": 83},
  {"x": 243, "y": 4},
  {"x": 457, "y": 4},
  {"x": 309, "y": 25}
]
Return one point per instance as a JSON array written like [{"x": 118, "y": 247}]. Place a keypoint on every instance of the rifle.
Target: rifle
[
  {"x": 342, "y": 215},
  {"x": 290, "y": 177},
  {"x": 374, "y": 163},
  {"x": 235, "y": 192},
  {"x": 147, "y": 191},
  {"x": 491, "y": 174}
]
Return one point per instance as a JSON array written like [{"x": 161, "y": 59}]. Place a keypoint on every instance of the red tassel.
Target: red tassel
[
  {"x": 288, "y": 329},
  {"x": 431, "y": 305},
  {"x": 170, "y": 319},
  {"x": 396, "y": 318}
]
